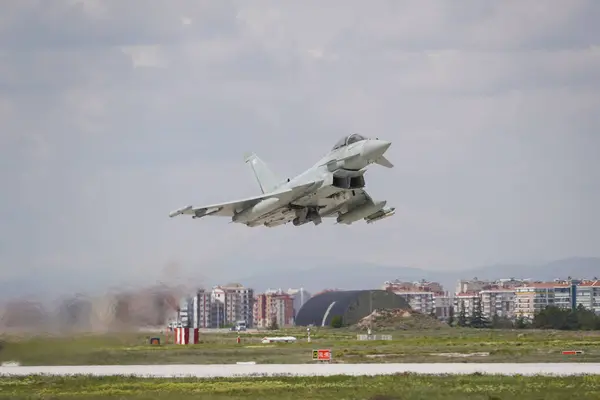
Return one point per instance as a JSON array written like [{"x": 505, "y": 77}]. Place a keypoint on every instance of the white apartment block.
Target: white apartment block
[
  {"x": 475, "y": 285},
  {"x": 204, "y": 310},
  {"x": 221, "y": 306},
  {"x": 469, "y": 300},
  {"x": 423, "y": 296},
  {"x": 588, "y": 295},
  {"x": 237, "y": 303},
  {"x": 422, "y": 302},
  {"x": 398, "y": 285},
  {"x": 184, "y": 311},
  {"x": 498, "y": 302}
]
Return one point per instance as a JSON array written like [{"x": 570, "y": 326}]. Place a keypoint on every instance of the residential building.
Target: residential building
[
  {"x": 442, "y": 306},
  {"x": 469, "y": 301},
  {"x": 498, "y": 302},
  {"x": 202, "y": 309},
  {"x": 423, "y": 296},
  {"x": 237, "y": 302},
  {"x": 223, "y": 305},
  {"x": 397, "y": 286},
  {"x": 274, "y": 306},
  {"x": 185, "y": 317},
  {"x": 588, "y": 295},
  {"x": 471, "y": 285},
  {"x": 476, "y": 285},
  {"x": 217, "y": 314},
  {"x": 422, "y": 302},
  {"x": 536, "y": 296}
]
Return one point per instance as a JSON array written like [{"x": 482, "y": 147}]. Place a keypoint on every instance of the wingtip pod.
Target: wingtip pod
[
  {"x": 248, "y": 155},
  {"x": 180, "y": 211}
]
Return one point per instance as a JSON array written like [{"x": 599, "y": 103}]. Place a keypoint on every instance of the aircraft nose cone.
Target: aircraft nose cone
[{"x": 376, "y": 148}]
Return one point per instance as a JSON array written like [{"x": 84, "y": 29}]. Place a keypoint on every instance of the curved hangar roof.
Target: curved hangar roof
[{"x": 352, "y": 305}]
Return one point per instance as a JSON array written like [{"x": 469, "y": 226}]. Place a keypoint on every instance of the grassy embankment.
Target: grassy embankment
[
  {"x": 406, "y": 346},
  {"x": 403, "y": 387}
]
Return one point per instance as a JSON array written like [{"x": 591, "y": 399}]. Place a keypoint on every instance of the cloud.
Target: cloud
[{"x": 114, "y": 113}]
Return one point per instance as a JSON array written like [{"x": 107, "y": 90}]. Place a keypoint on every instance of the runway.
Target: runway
[{"x": 235, "y": 370}]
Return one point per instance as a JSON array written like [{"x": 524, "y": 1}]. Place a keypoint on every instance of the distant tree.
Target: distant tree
[
  {"x": 521, "y": 323},
  {"x": 337, "y": 321},
  {"x": 587, "y": 319},
  {"x": 274, "y": 325},
  {"x": 501, "y": 322},
  {"x": 478, "y": 320},
  {"x": 451, "y": 316},
  {"x": 552, "y": 317},
  {"x": 572, "y": 321},
  {"x": 495, "y": 320}
]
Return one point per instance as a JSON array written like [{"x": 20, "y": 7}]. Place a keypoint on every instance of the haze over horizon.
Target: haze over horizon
[{"x": 113, "y": 114}]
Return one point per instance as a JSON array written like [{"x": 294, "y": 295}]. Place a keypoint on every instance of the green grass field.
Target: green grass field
[
  {"x": 336, "y": 387},
  {"x": 445, "y": 345}
]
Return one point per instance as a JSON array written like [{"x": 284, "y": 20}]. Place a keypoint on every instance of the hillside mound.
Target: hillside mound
[{"x": 399, "y": 319}]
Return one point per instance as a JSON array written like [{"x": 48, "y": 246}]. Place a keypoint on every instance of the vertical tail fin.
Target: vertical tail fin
[{"x": 267, "y": 180}]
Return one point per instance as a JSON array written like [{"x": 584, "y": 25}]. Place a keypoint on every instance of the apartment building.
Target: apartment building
[
  {"x": 237, "y": 302},
  {"x": 512, "y": 298},
  {"x": 423, "y": 296},
  {"x": 476, "y": 285},
  {"x": 223, "y": 305},
  {"x": 203, "y": 310},
  {"x": 466, "y": 286},
  {"x": 442, "y": 306},
  {"x": 469, "y": 300},
  {"x": 274, "y": 306},
  {"x": 536, "y": 296},
  {"x": 422, "y": 302},
  {"x": 588, "y": 295},
  {"x": 417, "y": 286},
  {"x": 498, "y": 302}
]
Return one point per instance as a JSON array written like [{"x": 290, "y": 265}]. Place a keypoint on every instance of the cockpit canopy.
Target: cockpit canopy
[{"x": 353, "y": 138}]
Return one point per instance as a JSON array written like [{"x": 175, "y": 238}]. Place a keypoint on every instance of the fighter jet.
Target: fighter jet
[{"x": 333, "y": 187}]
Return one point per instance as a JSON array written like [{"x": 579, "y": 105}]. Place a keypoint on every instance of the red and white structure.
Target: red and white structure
[{"x": 187, "y": 336}]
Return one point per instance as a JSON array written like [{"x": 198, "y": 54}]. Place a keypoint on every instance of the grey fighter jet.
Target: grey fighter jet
[{"x": 332, "y": 187}]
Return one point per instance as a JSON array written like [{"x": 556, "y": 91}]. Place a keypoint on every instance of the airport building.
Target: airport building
[{"x": 351, "y": 305}]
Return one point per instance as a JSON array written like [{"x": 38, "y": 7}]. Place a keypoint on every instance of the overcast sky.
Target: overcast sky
[{"x": 114, "y": 113}]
